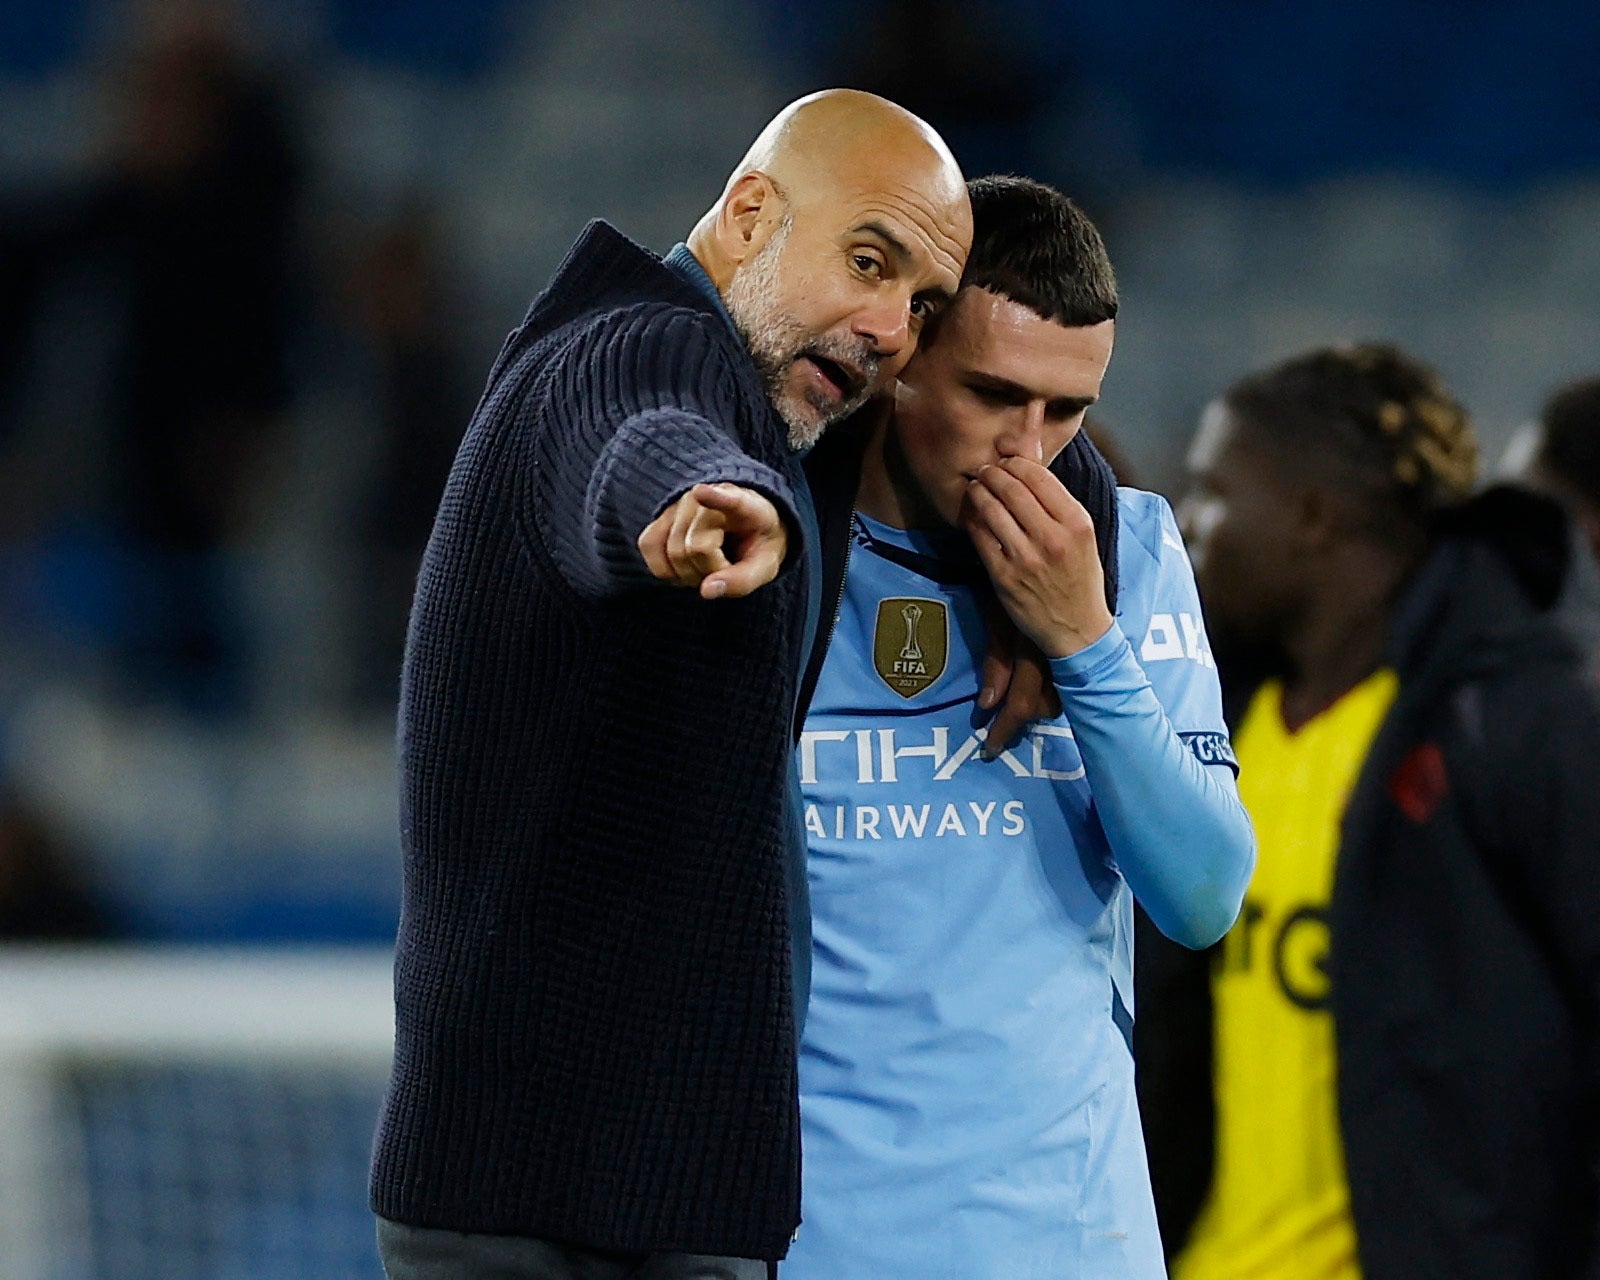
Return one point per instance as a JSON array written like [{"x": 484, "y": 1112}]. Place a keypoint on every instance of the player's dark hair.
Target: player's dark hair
[
  {"x": 1571, "y": 447},
  {"x": 1375, "y": 420},
  {"x": 1033, "y": 245}
]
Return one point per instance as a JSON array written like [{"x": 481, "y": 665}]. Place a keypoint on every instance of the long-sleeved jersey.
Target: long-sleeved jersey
[{"x": 966, "y": 1077}]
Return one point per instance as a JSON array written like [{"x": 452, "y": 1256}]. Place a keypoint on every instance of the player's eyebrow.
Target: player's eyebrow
[{"x": 1066, "y": 405}]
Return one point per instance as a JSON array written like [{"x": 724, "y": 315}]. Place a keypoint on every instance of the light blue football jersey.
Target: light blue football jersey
[{"x": 966, "y": 1077}]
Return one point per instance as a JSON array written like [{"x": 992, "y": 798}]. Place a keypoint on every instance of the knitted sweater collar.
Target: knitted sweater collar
[{"x": 688, "y": 268}]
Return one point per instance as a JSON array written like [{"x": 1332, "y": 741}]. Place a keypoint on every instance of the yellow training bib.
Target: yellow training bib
[{"x": 1279, "y": 1205}]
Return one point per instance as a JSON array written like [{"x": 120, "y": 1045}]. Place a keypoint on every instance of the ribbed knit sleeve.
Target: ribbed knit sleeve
[
  {"x": 594, "y": 999},
  {"x": 642, "y": 406}
]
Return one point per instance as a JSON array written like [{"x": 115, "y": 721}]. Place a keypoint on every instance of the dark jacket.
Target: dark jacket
[
  {"x": 595, "y": 1034},
  {"x": 1464, "y": 940}
]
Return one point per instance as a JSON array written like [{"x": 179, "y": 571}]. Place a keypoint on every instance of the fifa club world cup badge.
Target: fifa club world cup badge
[{"x": 911, "y": 643}]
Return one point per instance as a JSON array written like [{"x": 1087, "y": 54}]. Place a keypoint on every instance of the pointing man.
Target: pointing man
[{"x": 603, "y": 935}]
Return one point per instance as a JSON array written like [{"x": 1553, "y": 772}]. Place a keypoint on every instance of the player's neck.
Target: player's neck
[
  {"x": 1340, "y": 637},
  {"x": 887, "y": 493}
]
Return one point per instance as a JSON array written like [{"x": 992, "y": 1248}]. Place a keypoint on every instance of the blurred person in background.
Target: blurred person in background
[
  {"x": 967, "y": 1083},
  {"x": 1397, "y": 1078},
  {"x": 200, "y": 216},
  {"x": 604, "y": 944},
  {"x": 1566, "y": 465},
  {"x": 190, "y": 230}
]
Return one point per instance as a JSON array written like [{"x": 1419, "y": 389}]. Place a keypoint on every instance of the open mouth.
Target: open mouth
[{"x": 844, "y": 379}]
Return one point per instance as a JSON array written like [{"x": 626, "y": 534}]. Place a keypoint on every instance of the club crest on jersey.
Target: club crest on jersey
[{"x": 911, "y": 643}]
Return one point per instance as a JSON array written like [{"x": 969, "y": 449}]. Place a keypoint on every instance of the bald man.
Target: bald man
[{"x": 604, "y": 938}]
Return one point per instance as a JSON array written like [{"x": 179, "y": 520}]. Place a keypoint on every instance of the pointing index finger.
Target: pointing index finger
[{"x": 724, "y": 497}]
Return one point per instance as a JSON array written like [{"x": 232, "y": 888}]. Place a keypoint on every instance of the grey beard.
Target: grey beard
[{"x": 776, "y": 341}]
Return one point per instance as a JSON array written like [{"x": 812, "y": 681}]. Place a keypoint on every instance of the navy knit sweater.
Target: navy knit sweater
[{"x": 595, "y": 1036}]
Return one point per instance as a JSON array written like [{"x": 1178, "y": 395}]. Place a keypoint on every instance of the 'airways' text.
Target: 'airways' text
[{"x": 914, "y": 821}]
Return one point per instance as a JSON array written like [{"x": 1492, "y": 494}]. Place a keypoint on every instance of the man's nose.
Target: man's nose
[
  {"x": 1024, "y": 433},
  {"x": 886, "y": 325}
]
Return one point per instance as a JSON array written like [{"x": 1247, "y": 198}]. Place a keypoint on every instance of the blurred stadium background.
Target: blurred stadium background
[{"x": 255, "y": 259}]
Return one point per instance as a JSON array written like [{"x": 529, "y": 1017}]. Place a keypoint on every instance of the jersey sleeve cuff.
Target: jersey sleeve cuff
[{"x": 1084, "y": 667}]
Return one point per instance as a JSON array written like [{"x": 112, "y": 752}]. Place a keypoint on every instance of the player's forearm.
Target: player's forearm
[{"x": 1176, "y": 827}]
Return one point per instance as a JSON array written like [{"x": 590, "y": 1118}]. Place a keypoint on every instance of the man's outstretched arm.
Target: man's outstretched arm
[{"x": 637, "y": 420}]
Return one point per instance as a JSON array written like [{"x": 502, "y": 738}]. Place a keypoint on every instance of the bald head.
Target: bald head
[
  {"x": 842, "y": 229},
  {"x": 846, "y": 135}
]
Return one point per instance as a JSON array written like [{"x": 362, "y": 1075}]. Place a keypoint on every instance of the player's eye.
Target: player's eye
[{"x": 867, "y": 264}]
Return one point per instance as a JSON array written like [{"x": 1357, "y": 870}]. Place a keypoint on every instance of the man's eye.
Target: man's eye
[{"x": 866, "y": 263}]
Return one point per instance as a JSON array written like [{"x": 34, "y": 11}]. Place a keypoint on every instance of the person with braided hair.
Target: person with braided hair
[{"x": 1402, "y": 1025}]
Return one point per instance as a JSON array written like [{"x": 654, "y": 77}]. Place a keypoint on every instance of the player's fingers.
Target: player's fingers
[
  {"x": 1053, "y": 497},
  {"x": 988, "y": 513},
  {"x": 1065, "y": 516},
  {"x": 1018, "y": 498},
  {"x": 984, "y": 542}
]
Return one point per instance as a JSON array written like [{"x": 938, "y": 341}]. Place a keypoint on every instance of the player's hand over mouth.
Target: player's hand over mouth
[{"x": 1037, "y": 542}]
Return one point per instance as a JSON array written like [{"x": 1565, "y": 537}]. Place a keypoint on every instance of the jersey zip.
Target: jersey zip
[{"x": 838, "y": 599}]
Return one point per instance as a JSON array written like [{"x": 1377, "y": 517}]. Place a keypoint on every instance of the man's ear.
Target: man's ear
[
  {"x": 1321, "y": 516},
  {"x": 750, "y": 212}
]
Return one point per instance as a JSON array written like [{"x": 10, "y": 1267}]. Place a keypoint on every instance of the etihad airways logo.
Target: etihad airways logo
[{"x": 876, "y": 755}]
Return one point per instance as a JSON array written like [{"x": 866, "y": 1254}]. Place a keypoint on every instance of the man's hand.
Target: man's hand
[
  {"x": 1013, "y": 670},
  {"x": 722, "y": 538},
  {"x": 1037, "y": 542}
]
